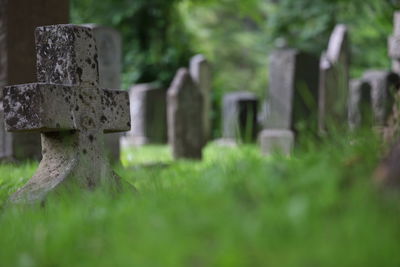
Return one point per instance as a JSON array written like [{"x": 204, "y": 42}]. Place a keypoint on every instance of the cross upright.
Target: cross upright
[{"x": 69, "y": 110}]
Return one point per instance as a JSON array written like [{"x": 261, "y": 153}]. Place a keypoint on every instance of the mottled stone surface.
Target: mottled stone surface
[
  {"x": 18, "y": 20},
  {"x": 334, "y": 80},
  {"x": 200, "y": 70},
  {"x": 69, "y": 110},
  {"x": 276, "y": 141},
  {"x": 360, "y": 103},
  {"x": 148, "y": 115},
  {"x": 109, "y": 47},
  {"x": 185, "y": 117},
  {"x": 239, "y": 116},
  {"x": 293, "y": 89},
  {"x": 383, "y": 85}
]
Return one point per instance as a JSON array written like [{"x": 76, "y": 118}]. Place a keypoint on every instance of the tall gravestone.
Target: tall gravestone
[
  {"x": 18, "y": 20},
  {"x": 394, "y": 44},
  {"x": 200, "y": 70},
  {"x": 148, "y": 115},
  {"x": 293, "y": 89},
  {"x": 69, "y": 110},
  {"x": 239, "y": 116},
  {"x": 109, "y": 46},
  {"x": 185, "y": 120},
  {"x": 334, "y": 80},
  {"x": 292, "y": 98}
]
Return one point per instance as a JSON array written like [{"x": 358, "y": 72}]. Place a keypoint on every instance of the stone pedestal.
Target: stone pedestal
[{"x": 276, "y": 141}]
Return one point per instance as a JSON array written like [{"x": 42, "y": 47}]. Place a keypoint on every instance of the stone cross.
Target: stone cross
[
  {"x": 18, "y": 20},
  {"x": 185, "y": 120},
  {"x": 334, "y": 80},
  {"x": 200, "y": 70},
  {"x": 394, "y": 44},
  {"x": 69, "y": 110},
  {"x": 148, "y": 115},
  {"x": 109, "y": 46},
  {"x": 239, "y": 116}
]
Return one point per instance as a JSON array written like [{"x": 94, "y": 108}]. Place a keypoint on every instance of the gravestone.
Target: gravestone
[
  {"x": 276, "y": 141},
  {"x": 383, "y": 85},
  {"x": 69, "y": 110},
  {"x": 360, "y": 104},
  {"x": 334, "y": 80},
  {"x": 185, "y": 117},
  {"x": 239, "y": 116},
  {"x": 18, "y": 20},
  {"x": 293, "y": 89},
  {"x": 394, "y": 44},
  {"x": 148, "y": 115},
  {"x": 109, "y": 47},
  {"x": 200, "y": 70}
]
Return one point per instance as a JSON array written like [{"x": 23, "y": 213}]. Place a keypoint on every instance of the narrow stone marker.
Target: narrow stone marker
[
  {"x": 69, "y": 110},
  {"x": 148, "y": 115},
  {"x": 109, "y": 46},
  {"x": 360, "y": 104},
  {"x": 334, "y": 80},
  {"x": 185, "y": 120},
  {"x": 394, "y": 44},
  {"x": 200, "y": 70}
]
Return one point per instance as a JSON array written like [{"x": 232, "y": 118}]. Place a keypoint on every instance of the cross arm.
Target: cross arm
[
  {"x": 116, "y": 113},
  {"x": 38, "y": 107}
]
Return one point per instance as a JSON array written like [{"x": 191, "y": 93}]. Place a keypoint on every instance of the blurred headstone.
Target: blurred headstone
[
  {"x": 69, "y": 110},
  {"x": 293, "y": 89},
  {"x": 334, "y": 80},
  {"x": 185, "y": 117},
  {"x": 109, "y": 47},
  {"x": 200, "y": 70},
  {"x": 394, "y": 44},
  {"x": 239, "y": 116},
  {"x": 148, "y": 115},
  {"x": 360, "y": 104},
  {"x": 18, "y": 20},
  {"x": 383, "y": 86}
]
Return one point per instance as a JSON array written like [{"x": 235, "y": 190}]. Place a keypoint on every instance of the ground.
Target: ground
[{"x": 235, "y": 208}]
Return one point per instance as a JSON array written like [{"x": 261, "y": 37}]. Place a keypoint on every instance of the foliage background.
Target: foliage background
[{"x": 236, "y": 36}]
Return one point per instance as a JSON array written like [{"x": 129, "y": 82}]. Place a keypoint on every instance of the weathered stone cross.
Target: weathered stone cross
[{"x": 69, "y": 110}]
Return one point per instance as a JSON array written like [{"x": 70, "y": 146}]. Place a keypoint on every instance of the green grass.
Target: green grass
[{"x": 235, "y": 208}]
